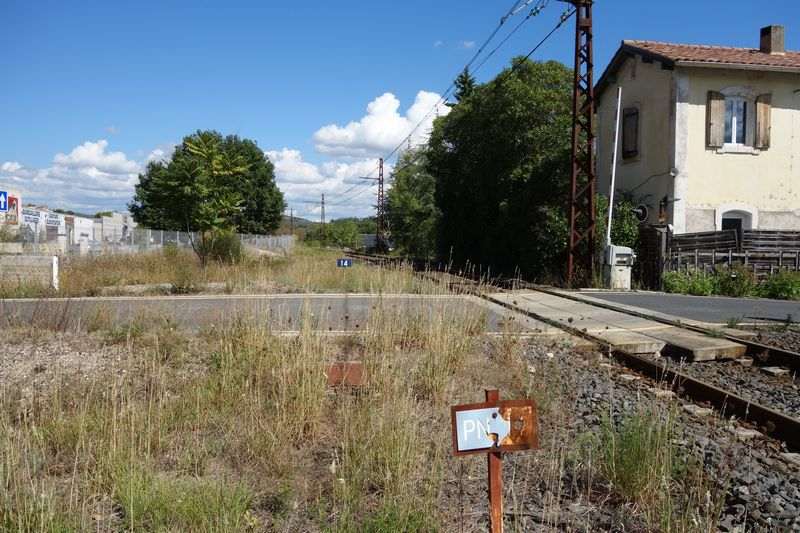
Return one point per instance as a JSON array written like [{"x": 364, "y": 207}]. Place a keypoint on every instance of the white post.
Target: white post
[
  {"x": 54, "y": 273},
  {"x": 613, "y": 169}
]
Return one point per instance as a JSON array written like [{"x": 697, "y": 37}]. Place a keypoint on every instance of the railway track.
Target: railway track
[{"x": 728, "y": 403}]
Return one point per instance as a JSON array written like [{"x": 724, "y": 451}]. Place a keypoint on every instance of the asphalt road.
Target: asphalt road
[
  {"x": 279, "y": 312},
  {"x": 714, "y": 309}
]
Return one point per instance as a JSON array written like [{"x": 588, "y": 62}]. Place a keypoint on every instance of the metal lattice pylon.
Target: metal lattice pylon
[
  {"x": 582, "y": 215},
  {"x": 381, "y": 211}
]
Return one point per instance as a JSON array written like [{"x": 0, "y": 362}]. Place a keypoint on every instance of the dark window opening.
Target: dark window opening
[
  {"x": 733, "y": 224},
  {"x": 630, "y": 132}
]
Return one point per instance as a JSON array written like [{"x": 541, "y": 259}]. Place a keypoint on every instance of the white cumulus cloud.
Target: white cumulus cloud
[
  {"x": 89, "y": 177},
  {"x": 290, "y": 167},
  {"x": 10, "y": 166},
  {"x": 303, "y": 183},
  {"x": 94, "y": 155},
  {"x": 382, "y": 128}
]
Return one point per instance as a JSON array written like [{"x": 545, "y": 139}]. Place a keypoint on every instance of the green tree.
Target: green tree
[
  {"x": 411, "y": 206},
  {"x": 465, "y": 85},
  {"x": 211, "y": 184},
  {"x": 501, "y": 164},
  {"x": 342, "y": 232}
]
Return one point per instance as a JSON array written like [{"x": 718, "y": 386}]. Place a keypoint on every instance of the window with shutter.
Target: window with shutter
[
  {"x": 630, "y": 132},
  {"x": 715, "y": 120},
  {"x": 763, "y": 121}
]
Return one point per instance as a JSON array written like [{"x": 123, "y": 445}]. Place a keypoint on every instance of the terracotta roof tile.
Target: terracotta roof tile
[{"x": 725, "y": 55}]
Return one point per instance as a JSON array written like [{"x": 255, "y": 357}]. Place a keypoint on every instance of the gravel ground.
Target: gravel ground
[
  {"x": 545, "y": 490},
  {"x": 781, "y": 393},
  {"x": 787, "y": 339},
  {"x": 36, "y": 362},
  {"x": 762, "y": 485}
]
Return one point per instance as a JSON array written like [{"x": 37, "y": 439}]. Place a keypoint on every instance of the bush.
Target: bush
[
  {"x": 694, "y": 283},
  {"x": 677, "y": 282},
  {"x": 785, "y": 285},
  {"x": 737, "y": 281},
  {"x": 221, "y": 245},
  {"x": 7, "y": 235},
  {"x": 702, "y": 284}
]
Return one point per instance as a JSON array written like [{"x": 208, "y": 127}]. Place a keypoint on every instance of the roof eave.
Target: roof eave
[
  {"x": 625, "y": 51},
  {"x": 737, "y": 66}
]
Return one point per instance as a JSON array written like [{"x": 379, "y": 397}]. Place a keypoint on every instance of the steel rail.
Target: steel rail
[
  {"x": 757, "y": 350},
  {"x": 770, "y": 421}
]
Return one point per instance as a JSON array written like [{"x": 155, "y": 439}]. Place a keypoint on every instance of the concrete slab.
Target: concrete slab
[
  {"x": 745, "y": 434},
  {"x": 613, "y": 330},
  {"x": 775, "y": 371},
  {"x": 696, "y": 410},
  {"x": 697, "y": 347},
  {"x": 793, "y": 458},
  {"x": 333, "y": 313},
  {"x": 512, "y": 322},
  {"x": 631, "y": 333}
]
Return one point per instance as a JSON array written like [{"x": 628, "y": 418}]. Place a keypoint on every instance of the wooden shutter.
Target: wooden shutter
[
  {"x": 630, "y": 132},
  {"x": 715, "y": 120},
  {"x": 763, "y": 121}
]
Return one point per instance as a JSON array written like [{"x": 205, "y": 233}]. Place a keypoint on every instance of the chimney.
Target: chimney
[{"x": 773, "y": 40}]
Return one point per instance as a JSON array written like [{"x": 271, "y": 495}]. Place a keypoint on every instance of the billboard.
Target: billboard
[{"x": 12, "y": 215}]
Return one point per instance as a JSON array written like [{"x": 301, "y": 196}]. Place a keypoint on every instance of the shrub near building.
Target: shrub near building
[{"x": 737, "y": 282}]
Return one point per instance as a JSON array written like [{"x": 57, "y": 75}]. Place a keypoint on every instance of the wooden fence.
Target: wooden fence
[{"x": 765, "y": 252}]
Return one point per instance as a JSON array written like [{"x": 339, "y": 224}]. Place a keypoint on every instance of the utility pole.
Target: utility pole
[
  {"x": 322, "y": 215},
  {"x": 380, "y": 208},
  {"x": 582, "y": 215},
  {"x": 291, "y": 221}
]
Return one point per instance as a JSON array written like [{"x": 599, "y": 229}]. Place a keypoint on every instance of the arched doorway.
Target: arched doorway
[
  {"x": 736, "y": 220},
  {"x": 737, "y": 217}
]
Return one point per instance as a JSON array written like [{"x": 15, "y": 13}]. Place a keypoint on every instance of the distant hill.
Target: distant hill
[{"x": 298, "y": 222}]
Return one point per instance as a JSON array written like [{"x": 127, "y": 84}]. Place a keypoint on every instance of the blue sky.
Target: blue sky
[{"x": 93, "y": 89}]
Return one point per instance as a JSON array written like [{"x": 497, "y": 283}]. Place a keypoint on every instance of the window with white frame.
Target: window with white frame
[
  {"x": 736, "y": 109},
  {"x": 738, "y": 120}
]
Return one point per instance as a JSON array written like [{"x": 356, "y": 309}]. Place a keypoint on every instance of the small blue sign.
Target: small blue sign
[
  {"x": 344, "y": 263},
  {"x": 3, "y": 202}
]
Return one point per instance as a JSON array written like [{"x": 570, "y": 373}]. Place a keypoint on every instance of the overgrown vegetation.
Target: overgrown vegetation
[
  {"x": 640, "y": 459},
  {"x": 236, "y": 430},
  {"x": 343, "y": 232},
  {"x": 176, "y": 271},
  {"x": 737, "y": 281}
]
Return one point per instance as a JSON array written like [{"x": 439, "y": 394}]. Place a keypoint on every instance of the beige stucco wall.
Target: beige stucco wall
[
  {"x": 648, "y": 87},
  {"x": 767, "y": 182}
]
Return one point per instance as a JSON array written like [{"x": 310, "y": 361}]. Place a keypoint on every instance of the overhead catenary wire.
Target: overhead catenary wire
[
  {"x": 346, "y": 201},
  {"x": 562, "y": 19},
  {"x": 516, "y": 8}
]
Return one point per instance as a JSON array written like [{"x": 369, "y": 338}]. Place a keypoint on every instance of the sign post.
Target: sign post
[
  {"x": 495, "y": 427},
  {"x": 344, "y": 263},
  {"x": 495, "y": 463}
]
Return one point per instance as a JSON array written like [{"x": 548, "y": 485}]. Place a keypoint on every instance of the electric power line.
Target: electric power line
[
  {"x": 516, "y": 8},
  {"x": 562, "y": 19},
  {"x": 518, "y": 5}
]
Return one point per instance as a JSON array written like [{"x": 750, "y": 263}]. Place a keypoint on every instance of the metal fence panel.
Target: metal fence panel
[{"x": 127, "y": 241}]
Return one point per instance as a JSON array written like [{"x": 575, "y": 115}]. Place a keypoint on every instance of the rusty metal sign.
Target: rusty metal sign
[
  {"x": 346, "y": 373},
  {"x": 494, "y": 426}
]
